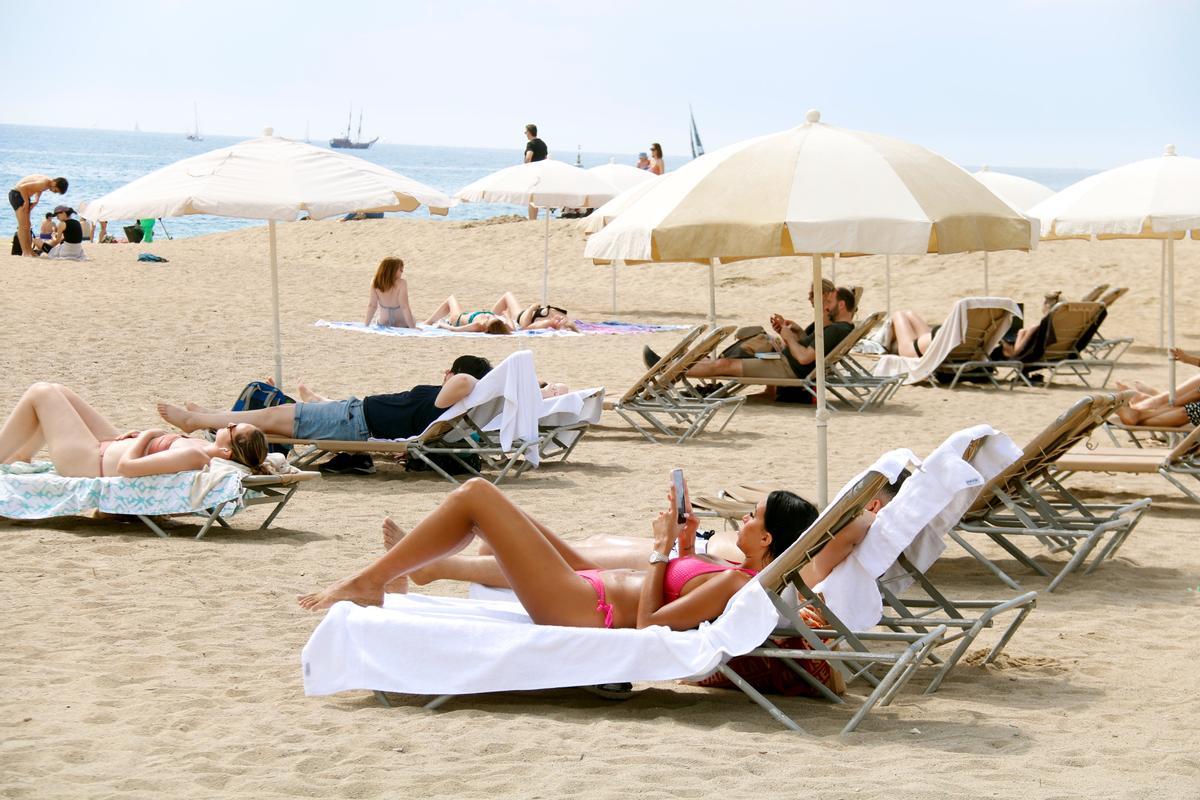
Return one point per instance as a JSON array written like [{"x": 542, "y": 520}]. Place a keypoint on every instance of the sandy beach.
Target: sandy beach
[{"x": 137, "y": 667}]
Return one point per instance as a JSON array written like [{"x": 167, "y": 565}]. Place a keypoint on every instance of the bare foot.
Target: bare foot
[
  {"x": 1128, "y": 415},
  {"x": 178, "y": 417},
  {"x": 392, "y": 534},
  {"x": 357, "y": 590},
  {"x": 306, "y": 395},
  {"x": 1145, "y": 389},
  {"x": 196, "y": 408}
]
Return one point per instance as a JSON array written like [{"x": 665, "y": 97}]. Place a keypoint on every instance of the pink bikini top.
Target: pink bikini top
[
  {"x": 161, "y": 443},
  {"x": 681, "y": 570}
]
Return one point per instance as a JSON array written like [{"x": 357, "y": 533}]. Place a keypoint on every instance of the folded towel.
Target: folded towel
[
  {"x": 949, "y": 337},
  {"x": 431, "y": 331}
]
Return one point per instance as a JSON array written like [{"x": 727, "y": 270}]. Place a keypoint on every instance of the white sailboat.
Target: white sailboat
[
  {"x": 694, "y": 135},
  {"x": 194, "y": 136}
]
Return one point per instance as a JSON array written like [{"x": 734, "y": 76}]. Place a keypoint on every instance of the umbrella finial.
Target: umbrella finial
[
  {"x": 1170, "y": 151},
  {"x": 812, "y": 116},
  {"x": 268, "y": 131}
]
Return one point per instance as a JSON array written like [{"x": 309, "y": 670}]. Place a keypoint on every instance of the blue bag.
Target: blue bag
[{"x": 260, "y": 394}]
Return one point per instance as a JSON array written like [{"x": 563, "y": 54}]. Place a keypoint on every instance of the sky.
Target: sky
[{"x": 1039, "y": 83}]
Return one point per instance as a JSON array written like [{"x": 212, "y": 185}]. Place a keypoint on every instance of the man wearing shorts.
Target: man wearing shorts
[
  {"x": 23, "y": 197},
  {"x": 378, "y": 416}
]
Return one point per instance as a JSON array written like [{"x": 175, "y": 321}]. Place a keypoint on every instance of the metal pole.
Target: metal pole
[
  {"x": 614, "y": 292},
  {"x": 986, "y": 292},
  {"x": 546, "y": 263},
  {"x": 887, "y": 277},
  {"x": 1170, "y": 248},
  {"x": 275, "y": 304},
  {"x": 822, "y": 412},
  {"x": 1162, "y": 301},
  {"x": 712, "y": 294}
]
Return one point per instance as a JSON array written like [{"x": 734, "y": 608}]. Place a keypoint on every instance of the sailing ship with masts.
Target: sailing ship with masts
[
  {"x": 194, "y": 136},
  {"x": 345, "y": 142}
]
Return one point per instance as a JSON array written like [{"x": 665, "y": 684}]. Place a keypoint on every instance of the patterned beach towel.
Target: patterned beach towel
[{"x": 429, "y": 331}]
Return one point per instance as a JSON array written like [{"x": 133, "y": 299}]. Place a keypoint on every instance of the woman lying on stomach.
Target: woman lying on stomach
[
  {"x": 83, "y": 444},
  {"x": 558, "y": 586}
]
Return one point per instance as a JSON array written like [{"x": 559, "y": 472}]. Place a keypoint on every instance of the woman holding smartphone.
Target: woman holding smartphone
[{"x": 559, "y": 586}]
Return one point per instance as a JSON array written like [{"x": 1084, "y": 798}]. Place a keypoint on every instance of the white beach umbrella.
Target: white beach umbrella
[
  {"x": 1158, "y": 198},
  {"x": 1020, "y": 193},
  {"x": 267, "y": 178},
  {"x": 542, "y": 184},
  {"x": 813, "y": 190},
  {"x": 622, "y": 176}
]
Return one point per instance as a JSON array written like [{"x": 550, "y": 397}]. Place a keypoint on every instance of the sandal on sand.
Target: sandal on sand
[{"x": 611, "y": 691}]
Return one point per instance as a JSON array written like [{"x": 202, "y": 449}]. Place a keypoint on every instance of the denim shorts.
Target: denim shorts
[{"x": 342, "y": 420}]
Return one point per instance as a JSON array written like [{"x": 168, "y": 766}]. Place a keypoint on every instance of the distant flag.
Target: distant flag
[{"x": 697, "y": 145}]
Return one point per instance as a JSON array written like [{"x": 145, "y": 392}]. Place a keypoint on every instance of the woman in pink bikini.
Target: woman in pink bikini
[
  {"x": 559, "y": 586},
  {"x": 83, "y": 444}
]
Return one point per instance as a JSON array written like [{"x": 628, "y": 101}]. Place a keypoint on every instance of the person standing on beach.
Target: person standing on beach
[
  {"x": 23, "y": 197},
  {"x": 643, "y": 161},
  {"x": 535, "y": 150},
  {"x": 656, "y": 159}
]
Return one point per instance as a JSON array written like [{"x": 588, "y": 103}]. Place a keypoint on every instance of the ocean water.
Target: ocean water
[{"x": 98, "y": 161}]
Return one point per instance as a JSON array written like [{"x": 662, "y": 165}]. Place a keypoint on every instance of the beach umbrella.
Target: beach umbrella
[
  {"x": 813, "y": 191},
  {"x": 267, "y": 178},
  {"x": 1157, "y": 198},
  {"x": 622, "y": 176},
  {"x": 1020, "y": 193},
  {"x": 542, "y": 184}
]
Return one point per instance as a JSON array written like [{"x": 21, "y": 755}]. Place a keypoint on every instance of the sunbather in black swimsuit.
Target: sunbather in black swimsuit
[{"x": 932, "y": 333}]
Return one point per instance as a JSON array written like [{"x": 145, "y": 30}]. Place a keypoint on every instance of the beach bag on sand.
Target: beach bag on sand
[{"x": 260, "y": 394}]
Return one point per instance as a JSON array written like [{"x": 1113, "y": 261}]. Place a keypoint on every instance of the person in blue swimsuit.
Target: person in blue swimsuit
[{"x": 450, "y": 316}]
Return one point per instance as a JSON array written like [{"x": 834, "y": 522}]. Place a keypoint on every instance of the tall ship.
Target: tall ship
[{"x": 346, "y": 143}]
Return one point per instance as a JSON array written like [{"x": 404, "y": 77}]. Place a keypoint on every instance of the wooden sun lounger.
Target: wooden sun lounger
[
  {"x": 1067, "y": 354},
  {"x": 1153, "y": 436},
  {"x": 1177, "y": 464},
  {"x": 1094, "y": 294},
  {"x": 1102, "y": 347},
  {"x": 971, "y": 360}
]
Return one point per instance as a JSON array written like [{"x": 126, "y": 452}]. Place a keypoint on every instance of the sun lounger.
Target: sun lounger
[
  {"x": 418, "y": 644},
  {"x": 1072, "y": 326},
  {"x": 1026, "y": 502},
  {"x": 1177, "y": 464},
  {"x": 1102, "y": 347},
  {"x": 1094, "y": 294},
  {"x": 961, "y": 350},
  {"x": 845, "y": 379},
  {"x": 35, "y": 491},
  {"x": 1144, "y": 435},
  {"x": 665, "y": 402}
]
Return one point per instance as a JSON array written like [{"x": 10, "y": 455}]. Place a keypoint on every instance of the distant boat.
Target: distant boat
[
  {"x": 346, "y": 143},
  {"x": 136, "y": 128},
  {"x": 697, "y": 146},
  {"x": 194, "y": 136}
]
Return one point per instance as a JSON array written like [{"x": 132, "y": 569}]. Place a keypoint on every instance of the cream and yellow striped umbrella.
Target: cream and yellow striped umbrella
[{"x": 813, "y": 190}]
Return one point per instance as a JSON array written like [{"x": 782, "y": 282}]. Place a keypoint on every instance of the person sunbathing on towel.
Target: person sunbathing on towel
[
  {"x": 450, "y": 316},
  {"x": 558, "y": 586},
  {"x": 83, "y": 444},
  {"x": 1152, "y": 407},
  {"x": 534, "y": 317},
  {"x": 605, "y": 551},
  {"x": 377, "y": 416}
]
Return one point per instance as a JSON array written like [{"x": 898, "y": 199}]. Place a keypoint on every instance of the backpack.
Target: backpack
[{"x": 260, "y": 394}]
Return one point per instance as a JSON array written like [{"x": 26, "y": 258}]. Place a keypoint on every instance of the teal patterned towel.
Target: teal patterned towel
[{"x": 35, "y": 491}]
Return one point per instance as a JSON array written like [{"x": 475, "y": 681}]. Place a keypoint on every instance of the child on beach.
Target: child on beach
[{"x": 389, "y": 296}]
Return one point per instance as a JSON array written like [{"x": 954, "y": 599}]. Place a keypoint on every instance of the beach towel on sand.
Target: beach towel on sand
[
  {"x": 36, "y": 491},
  {"x": 431, "y": 331}
]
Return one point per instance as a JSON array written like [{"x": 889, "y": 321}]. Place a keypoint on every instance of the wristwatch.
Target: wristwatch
[{"x": 658, "y": 558}]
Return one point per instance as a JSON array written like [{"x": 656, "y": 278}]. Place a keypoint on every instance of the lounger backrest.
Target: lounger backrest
[
  {"x": 1069, "y": 322},
  {"x": 785, "y": 568},
  {"x": 1072, "y": 427},
  {"x": 1094, "y": 294},
  {"x": 1113, "y": 295},
  {"x": 1189, "y": 447},
  {"x": 854, "y": 337},
  {"x": 982, "y": 325},
  {"x": 700, "y": 351},
  {"x": 646, "y": 382}
]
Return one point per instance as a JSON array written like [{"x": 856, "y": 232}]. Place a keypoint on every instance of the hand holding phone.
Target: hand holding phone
[{"x": 680, "y": 491}]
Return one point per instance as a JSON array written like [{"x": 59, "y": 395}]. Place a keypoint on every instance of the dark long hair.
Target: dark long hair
[{"x": 787, "y": 515}]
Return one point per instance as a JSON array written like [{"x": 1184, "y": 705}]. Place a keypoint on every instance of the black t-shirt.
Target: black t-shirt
[
  {"x": 73, "y": 234},
  {"x": 834, "y": 333},
  {"x": 403, "y": 414},
  {"x": 538, "y": 148}
]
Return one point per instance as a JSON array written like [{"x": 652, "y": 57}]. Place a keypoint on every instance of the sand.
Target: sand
[{"x": 138, "y": 667}]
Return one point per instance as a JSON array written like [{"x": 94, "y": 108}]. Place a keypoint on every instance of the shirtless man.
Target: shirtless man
[{"x": 23, "y": 197}]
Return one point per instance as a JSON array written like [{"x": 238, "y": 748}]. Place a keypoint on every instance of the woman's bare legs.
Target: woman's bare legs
[
  {"x": 277, "y": 420},
  {"x": 1171, "y": 417},
  {"x": 544, "y": 582},
  {"x": 100, "y": 427},
  {"x": 508, "y": 306},
  {"x": 907, "y": 327},
  {"x": 46, "y": 412},
  {"x": 448, "y": 308}
]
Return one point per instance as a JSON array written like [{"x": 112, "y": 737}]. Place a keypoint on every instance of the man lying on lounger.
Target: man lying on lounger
[
  {"x": 378, "y": 416},
  {"x": 795, "y": 347}
]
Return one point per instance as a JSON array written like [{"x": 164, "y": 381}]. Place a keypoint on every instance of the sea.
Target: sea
[{"x": 99, "y": 161}]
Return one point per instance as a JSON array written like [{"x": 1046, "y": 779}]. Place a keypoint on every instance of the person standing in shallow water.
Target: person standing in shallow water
[{"x": 535, "y": 150}]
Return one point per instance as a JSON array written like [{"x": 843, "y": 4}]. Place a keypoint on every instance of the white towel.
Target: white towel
[
  {"x": 931, "y": 501},
  {"x": 949, "y": 337}
]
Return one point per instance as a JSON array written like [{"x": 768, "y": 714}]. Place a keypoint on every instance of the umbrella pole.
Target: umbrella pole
[
  {"x": 986, "y": 292},
  {"x": 1162, "y": 301},
  {"x": 546, "y": 263},
  {"x": 833, "y": 268},
  {"x": 275, "y": 304},
  {"x": 1170, "y": 248},
  {"x": 822, "y": 412},
  {"x": 712, "y": 294},
  {"x": 887, "y": 278},
  {"x": 614, "y": 292}
]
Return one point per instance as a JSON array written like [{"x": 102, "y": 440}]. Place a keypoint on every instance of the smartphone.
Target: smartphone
[{"x": 680, "y": 496}]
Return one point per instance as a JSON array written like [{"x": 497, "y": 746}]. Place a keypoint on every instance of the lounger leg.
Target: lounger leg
[
  {"x": 382, "y": 698},
  {"x": 213, "y": 515},
  {"x": 1028, "y": 603},
  {"x": 987, "y": 562},
  {"x": 1178, "y": 484},
  {"x": 283, "y": 501},
  {"x": 152, "y": 525},
  {"x": 438, "y": 701},
  {"x": 758, "y": 697}
]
